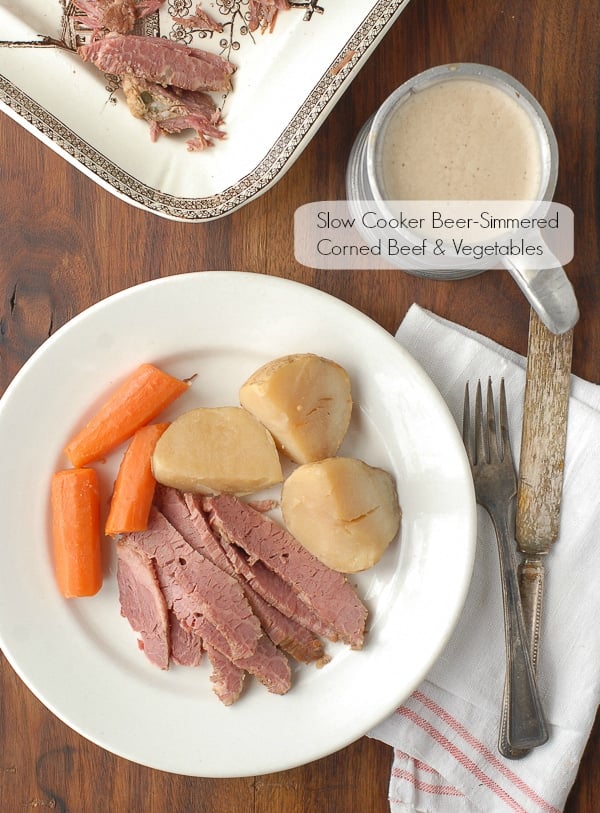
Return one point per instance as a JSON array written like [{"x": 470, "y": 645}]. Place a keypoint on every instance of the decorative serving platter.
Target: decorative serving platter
[{"x": 286, "y": 82}]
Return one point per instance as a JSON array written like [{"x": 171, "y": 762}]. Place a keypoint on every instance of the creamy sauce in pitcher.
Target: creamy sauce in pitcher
[{"x": 461, "y": 139}]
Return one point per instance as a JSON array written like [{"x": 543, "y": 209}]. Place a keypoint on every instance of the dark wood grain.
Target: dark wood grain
[{"x": 65, "y": 243}]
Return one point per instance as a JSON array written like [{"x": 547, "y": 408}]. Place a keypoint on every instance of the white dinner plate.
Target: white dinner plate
[
  {"x": 285, "y": 85},
  {"x": 80, "y": 657}
]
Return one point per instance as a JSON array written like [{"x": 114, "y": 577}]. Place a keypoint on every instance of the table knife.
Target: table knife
[{"x": 541, "y": 468}]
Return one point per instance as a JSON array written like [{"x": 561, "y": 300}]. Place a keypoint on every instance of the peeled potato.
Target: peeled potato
[
  {"x": 343, "y": 511},
  {"x": 214, "y": 450},
  {"x": 305, "y": 403}
]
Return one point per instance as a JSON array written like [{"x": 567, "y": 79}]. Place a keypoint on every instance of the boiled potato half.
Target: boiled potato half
[
  {"x": 342, "y": 510},
  {"x": 215, "y": 450},
  {"x": 305, "y": 402}
]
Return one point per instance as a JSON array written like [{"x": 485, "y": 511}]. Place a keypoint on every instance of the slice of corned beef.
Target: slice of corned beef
[
  {"x": 186, "y": 645},
  {"x": 143, "y": 604},
  {"x": 195, "y": 588},
  {"x": 263, "y": 582},
  {"x": 159, "y": 60},
  {"x": 184, "y": 512},
  {"x": 326, "y": 591},
  {"x": 285, "y": 630},
  {"x": 178, "y": 508},
  {"x": 267, "y": 663},
  {"x": 226, "y": 677},
  {"x": 277, "y": 592},
  {"x": 298, "y": 641}
]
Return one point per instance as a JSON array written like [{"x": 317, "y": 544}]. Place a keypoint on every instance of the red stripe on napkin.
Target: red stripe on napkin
[
  {"x": 494, "y": 762},
  {"x": 425, "y": 787}
]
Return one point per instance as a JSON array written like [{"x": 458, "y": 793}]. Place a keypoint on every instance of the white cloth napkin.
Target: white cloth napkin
[{"x": 445, "y": 735}]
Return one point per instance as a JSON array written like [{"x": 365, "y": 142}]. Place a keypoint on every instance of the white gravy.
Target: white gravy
[{"x": 461, "y": 139}]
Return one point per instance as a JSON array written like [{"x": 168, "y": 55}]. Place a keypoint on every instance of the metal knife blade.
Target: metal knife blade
[{"x": 541, "y": 467}]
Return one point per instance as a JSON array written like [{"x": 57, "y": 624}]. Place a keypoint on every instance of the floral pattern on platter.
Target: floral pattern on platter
[{"x": 232, "y": 15}]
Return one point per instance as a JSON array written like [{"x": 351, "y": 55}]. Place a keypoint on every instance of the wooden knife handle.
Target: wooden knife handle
[{"x": 544, "y": 437}]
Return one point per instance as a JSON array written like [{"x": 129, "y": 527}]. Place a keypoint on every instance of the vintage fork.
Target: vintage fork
[{"x": 495, "y": 483}]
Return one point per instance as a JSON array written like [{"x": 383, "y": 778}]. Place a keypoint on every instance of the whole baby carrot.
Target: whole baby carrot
[
  {"x": 138, "y": 400},
  {"x": 75, "y": 504},
  {"x": 134, "y": 487}
]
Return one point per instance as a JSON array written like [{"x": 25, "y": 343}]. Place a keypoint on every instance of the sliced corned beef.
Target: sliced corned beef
[
  {"x": 226, "y": 677},
  {"x": 277, "y": 592},
  {"x": 285, "y": 630},
  {"x": 143, "y": 604},
  {"x": 265, "y": 662},
  {"x": 185, "y": 514},
  {"x": 181, "y": 511},
  {"x": 186, "y": 645},
  {"x": 159, "y": 60},
  {"x": 326, "y": 591},
  {"x": 263, "y": 582},
  {"x": 293, "y": 638},
  {"x": 195, "y": 588},
  {"x": 268, "y": 665}
]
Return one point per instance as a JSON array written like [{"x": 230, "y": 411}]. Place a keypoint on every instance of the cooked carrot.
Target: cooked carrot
[
  {"x": 134, "y": 487},
  {"x": 138, "y": 400},
  {"x": 75, "y": 503}
]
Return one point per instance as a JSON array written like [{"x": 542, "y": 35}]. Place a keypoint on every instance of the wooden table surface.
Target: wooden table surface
[{"x": 65, "y": 243}]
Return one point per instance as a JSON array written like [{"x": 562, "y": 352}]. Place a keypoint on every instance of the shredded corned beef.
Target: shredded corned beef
[
  {"x": 200, "y": 20},
  {"x": 263, "y": 13},
  {"x": 159, "y": 76},
  {"x": 116, "y": 15},
  {"x": 169, "y": 110}
]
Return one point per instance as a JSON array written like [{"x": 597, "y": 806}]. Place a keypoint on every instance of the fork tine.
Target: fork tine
[
  {"x": 481, "y": 438},
  {"x": 504, "y": 430},
  {"x": 494, "y": 442},
  {"x": 466, "y": 427}
]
